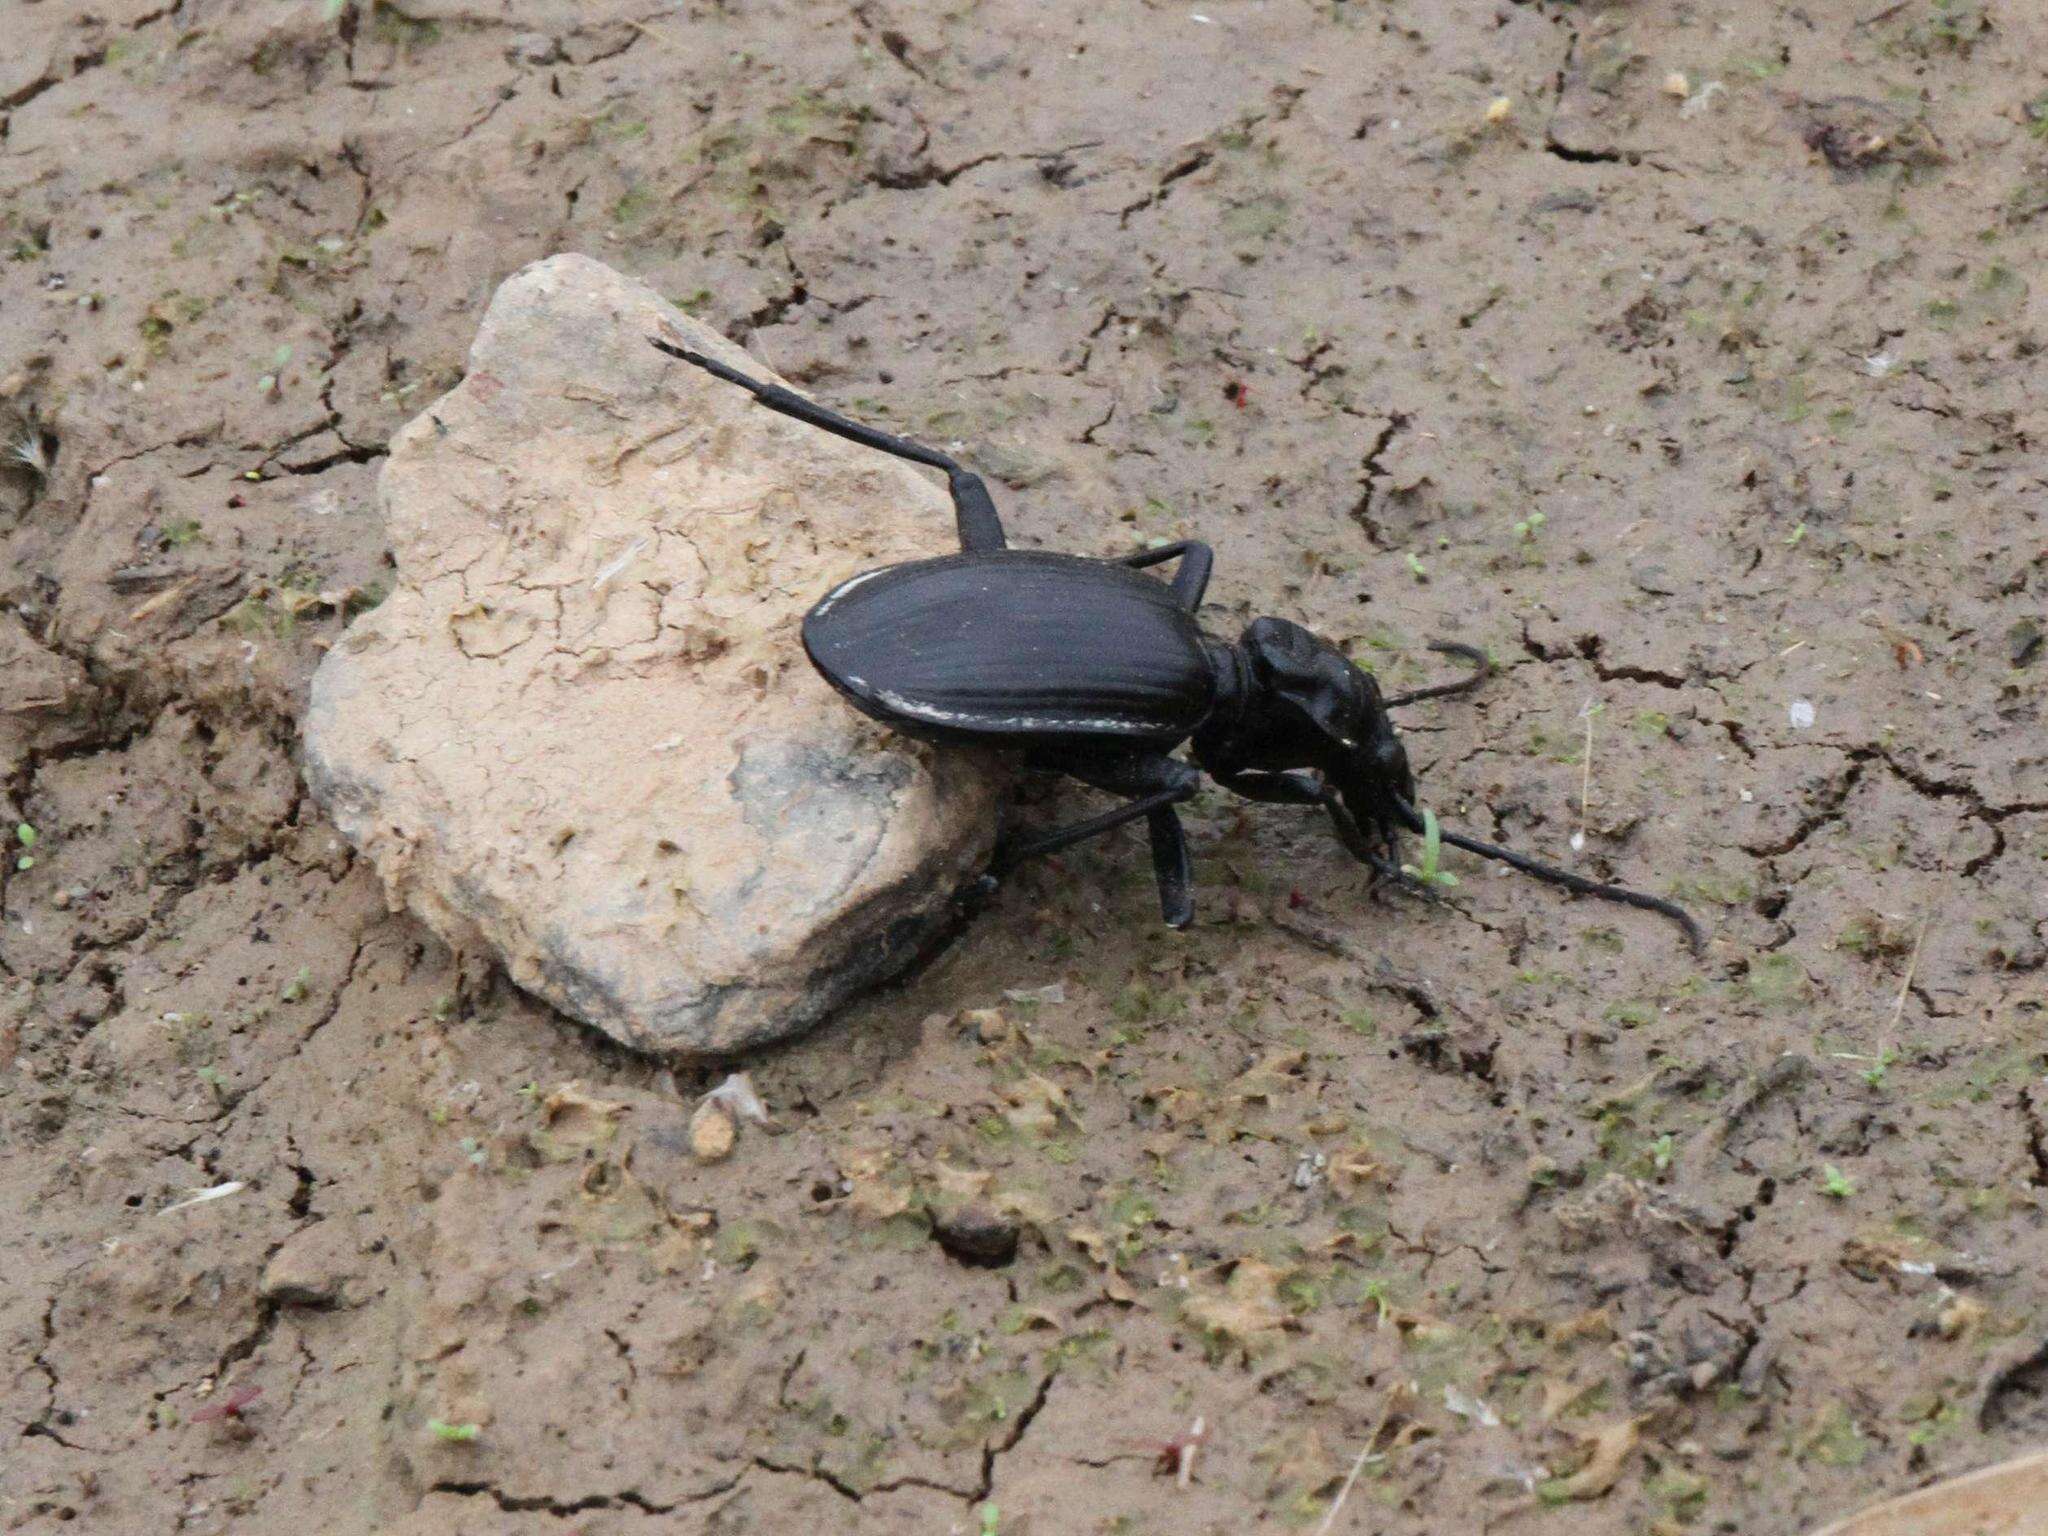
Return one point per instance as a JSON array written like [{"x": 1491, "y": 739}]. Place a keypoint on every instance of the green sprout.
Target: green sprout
[
  {"x": 1662, "y": 1151},
  {"x": 1834, "y": 1183},
  {"x": 295, "y": 989},
  {"x": 26, "y": 836},
  {"x": 1416, "y": 567},
  {"x": 991, "y": 1518},
  {"x": 1376, "y": 1293},
  {"x": 1530, "y": 526},
  {"x": 1432, "y": 850},
  {"x": 454, "y": 1434},
  {"x": 1873, "y": 1075}
]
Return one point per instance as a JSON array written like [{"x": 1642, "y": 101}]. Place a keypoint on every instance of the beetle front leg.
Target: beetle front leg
[{"x": 1272, "y": 787}]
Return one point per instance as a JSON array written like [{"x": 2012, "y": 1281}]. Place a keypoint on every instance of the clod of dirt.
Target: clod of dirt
[
  {"x": 39, "y": 695},
  {"x": 2023, "y": 642},
  {"x": 578, "y": 1119},
  {"x": 1853, "y": 134},
  {"x": 314, "y": 1265},
  {"x": 1608, "y": 1449},
  {"x": 977, "y": 1236},
  {"x": 581, "y": 735}
]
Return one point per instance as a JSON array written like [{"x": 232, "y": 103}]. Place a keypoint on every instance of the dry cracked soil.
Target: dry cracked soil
[{"x": 1684, "y": 355}]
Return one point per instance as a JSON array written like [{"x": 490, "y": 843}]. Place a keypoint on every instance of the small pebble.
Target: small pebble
[
  {"x": 1675, "y": 84},
  {"x": 1499, "y": 109},
  {"x": 712, "y": 1132},
  {"x": 977, "y": 1237}
]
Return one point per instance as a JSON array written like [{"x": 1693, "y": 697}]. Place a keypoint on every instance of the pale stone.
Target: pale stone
[{"x": 582, "y": 734}]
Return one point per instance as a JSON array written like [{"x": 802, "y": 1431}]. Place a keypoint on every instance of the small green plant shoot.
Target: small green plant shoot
[{"x": 1432, "y": 851}]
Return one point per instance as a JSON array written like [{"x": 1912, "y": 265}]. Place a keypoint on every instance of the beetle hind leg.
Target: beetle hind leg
[
  {"x": 974, "y": 510},
  {"x": 1159, "y": 783}
]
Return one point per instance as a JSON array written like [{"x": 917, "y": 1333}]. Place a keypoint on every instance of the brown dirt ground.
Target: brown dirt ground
[{"x": 1270, "y": 277}]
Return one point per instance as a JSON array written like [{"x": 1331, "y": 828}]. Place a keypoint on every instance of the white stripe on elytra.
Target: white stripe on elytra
[
  {"x": 911, "y": 707},
  {"x": 840, "y": 591}
]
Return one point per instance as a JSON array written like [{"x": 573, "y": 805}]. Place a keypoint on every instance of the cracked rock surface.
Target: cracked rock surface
[{"x": 581, "y": 734}]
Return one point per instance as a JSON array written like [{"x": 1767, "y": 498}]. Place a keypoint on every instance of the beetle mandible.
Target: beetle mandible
[{"x": 1100, "y": 673}]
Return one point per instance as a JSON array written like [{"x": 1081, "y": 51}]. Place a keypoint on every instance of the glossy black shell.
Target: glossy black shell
[{"x": 1017, "y": 643}]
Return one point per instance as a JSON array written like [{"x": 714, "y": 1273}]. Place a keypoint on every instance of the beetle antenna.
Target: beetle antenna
[
  {"x": 1566, "y": 878},
  {"x": 1482, "y": 669}
]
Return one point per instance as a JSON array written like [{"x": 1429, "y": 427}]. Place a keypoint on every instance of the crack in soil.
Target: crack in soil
[
  {"x": 560, "y": 1508},
  {"x": 1361, "y": 511},
  {"x": 1181, "y": 169}
]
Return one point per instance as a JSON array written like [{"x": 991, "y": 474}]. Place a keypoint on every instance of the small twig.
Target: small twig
[
  {"x": 1190, "y": 1443},
  {"x": 1912, "y": 966},
  {"x": 1586, "y": 713},
  {"x": 1365, "y": 1454},
  {"x": 201, "y": 1197},
  {"x": 1357, "y": 1466},
  {"x": 661, "y": 38}
]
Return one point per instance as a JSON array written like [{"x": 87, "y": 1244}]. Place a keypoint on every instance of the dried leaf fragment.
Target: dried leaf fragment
[
  {"x": 1246, "y": 1309},
  {"x": 1611, "y": 1448},
  {"x": 1960, "y": 1317}
]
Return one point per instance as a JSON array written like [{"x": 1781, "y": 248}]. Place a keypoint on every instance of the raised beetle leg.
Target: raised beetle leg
[
  {"x": 1191, "y": 581},
  {"x": 1160, "y": 783},
  {"x": 974, "y": 511}
]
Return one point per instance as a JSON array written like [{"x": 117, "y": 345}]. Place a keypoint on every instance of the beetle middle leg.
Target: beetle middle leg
[
  {"x": 974, "y": 510},
  {"x": 1191, "y": 581},
  {"x": 1159, "y": 783}
]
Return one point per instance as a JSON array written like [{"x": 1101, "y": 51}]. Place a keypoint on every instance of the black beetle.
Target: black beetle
[{"x": 1100, "y": 673}]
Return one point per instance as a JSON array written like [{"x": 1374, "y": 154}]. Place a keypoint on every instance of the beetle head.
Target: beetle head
[{"x": 1311, "y": 708}]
